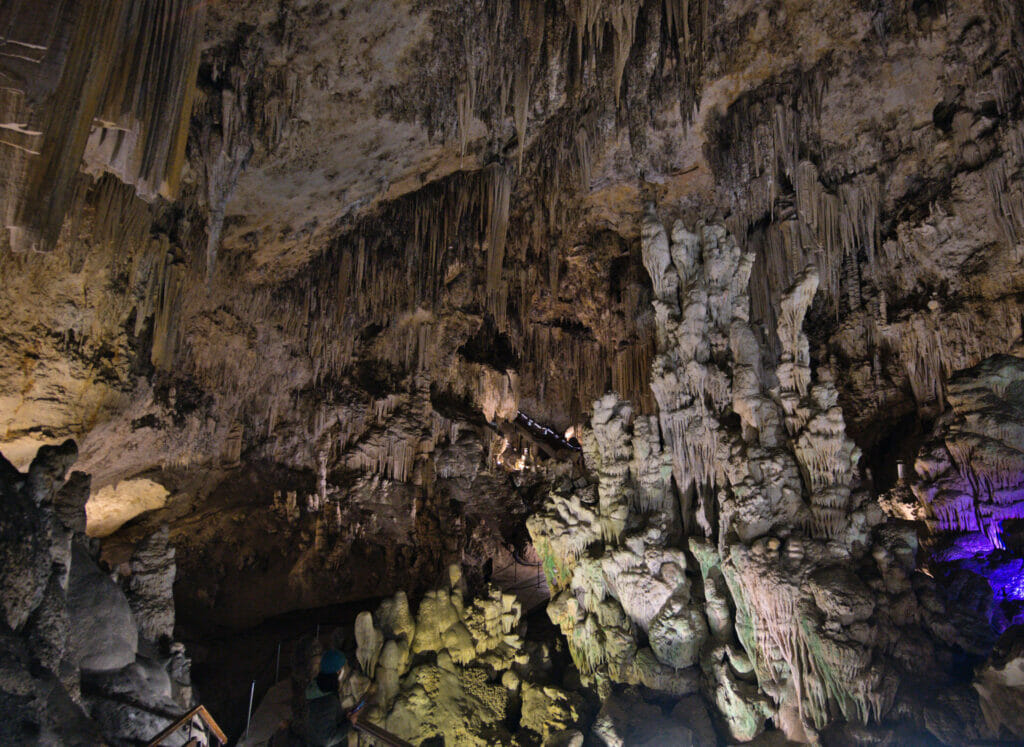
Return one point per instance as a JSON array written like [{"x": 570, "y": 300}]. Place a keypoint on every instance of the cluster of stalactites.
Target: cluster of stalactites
[
  {"x": 702, "y": 309},
  {"x": 970, "y": 475},
  {"x": 116, "y": 86},
  {"x": 788, "y": 593}
]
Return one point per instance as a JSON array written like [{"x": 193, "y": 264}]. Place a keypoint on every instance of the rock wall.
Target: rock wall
[{"x": 970, "y": 471}]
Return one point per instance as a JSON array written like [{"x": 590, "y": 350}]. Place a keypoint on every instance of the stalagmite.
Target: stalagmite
[{"x": 787, "y": 516}]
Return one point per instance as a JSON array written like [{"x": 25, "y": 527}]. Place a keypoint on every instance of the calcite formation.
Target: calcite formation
[
  {"x": 456, "y": 668},
  {"x": 801, "y": 599},
  {"x": 150, "y": 585}
]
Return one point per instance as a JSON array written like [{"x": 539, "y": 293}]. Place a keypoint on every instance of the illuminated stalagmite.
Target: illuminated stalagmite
[{"x": 454, "y": 669}]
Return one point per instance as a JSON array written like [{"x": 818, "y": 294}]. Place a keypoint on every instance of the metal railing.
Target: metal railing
[{"x": 208, "y": 725}]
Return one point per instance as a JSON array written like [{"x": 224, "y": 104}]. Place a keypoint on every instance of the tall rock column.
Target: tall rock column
[
  {"x": 700, "y": 282},
  {"x": 612, "y": 591}
]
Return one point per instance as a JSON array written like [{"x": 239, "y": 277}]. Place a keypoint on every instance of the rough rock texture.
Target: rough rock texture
[
  {"x": 373, "y": 196},
  {"x": 460, "y": 669},
  {"x": 807, "y": 608},
  {"x": 39, "y": 679},
  {"x": 625, "y": 720},
  {"x": 968, "y": 491},
  {"x": 611, "y": 579},
  {"x": 72, "y": 668},
  {"x": 107, "y": 88},
  {"x": 150, "y": 586}
]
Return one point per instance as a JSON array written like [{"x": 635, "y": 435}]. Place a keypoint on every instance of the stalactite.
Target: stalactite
[
  {"x": 120, "y": 220},
  {"x": 39, "y": 207},
  {"x": 794, "y": 370},
  {"x": 165, "y": 280},
  {"x": 392, "y": 282},
  {"x": 932, "y": 344},
  {"x": 1007, "y": 205},
  {"x": 154, "y": 83},
  {"x": 760, "y": 144},
  {"x": 623, "y": 21},
  {"x": 521, "y": 104},
  {"x": 970, "y": 474},
  {"x": 464, "y": 108},
  {"x": 700, "y": 285}
]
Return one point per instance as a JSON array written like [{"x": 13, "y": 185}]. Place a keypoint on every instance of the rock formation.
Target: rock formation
[
  {"x": 971, "y": 472},
  {"x": 460, "y": 668},
  {"x": 82, "y": 663},
  {"x": 807, "y": 604},
  {"x": 967, "y": 488}
]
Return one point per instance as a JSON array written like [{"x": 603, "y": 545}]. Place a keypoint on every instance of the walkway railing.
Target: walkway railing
[{"x": 207, "y": 724}]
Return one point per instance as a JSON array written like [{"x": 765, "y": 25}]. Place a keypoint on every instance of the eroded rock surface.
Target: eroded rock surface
[{"x": 79, "y": 667}]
